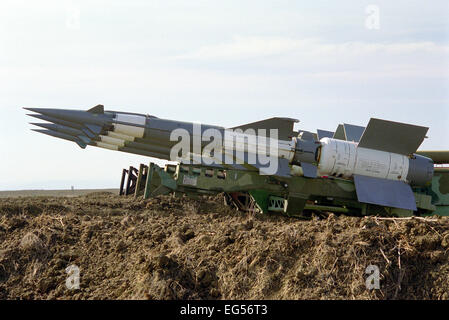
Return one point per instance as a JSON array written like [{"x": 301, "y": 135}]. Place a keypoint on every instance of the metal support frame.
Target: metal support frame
[
  {"x": 249, "y": 191},
  {"x": 141, "y": 177},
  {"x": 131, "y": 181}
]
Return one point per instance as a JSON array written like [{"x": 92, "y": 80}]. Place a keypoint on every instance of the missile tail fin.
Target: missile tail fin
[
  {"x": 283, "y": 125},
  {"x": 97, "y": 109},
  {"x": 382, "y": 192},
  {"x": 324, "y": 134},
  {"x": 352, "y": 132},
  {"x": 309, "y": 170},
  {"x": 347, "y": 132},
  {"x": 395, "y": 137},
  {"x": 340, "y": 133}
]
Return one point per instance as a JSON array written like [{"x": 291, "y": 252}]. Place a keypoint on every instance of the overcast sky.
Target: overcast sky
[{"x": 216, "y": 62}]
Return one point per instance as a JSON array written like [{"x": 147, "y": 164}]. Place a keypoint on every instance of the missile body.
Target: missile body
[
  {"x": 151, "y": 136},
  {"x": 62, "y": 136},
  {"x": 60, "y": 128},
  {"x": 345, "y": 159},
  {"x": 438, "y": 157}
]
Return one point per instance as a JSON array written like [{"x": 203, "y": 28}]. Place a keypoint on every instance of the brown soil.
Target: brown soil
[{"x": 178, "y": 248}]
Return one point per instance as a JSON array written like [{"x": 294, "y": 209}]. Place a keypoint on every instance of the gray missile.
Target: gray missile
[
  {"x": 57, "y": 121},
  {"x": 60, "y": 128},
  {"x": 90, "y": 130},
  {"x": 103, "y": 145},
  {"x": 62, "y": 136},
  {"x": 65, "y": 130},
  {"x": 91, "y": 116},
  {"x": 151, "y": 147},
  {"x": 143, "y": 134},
  {"x": 132, "y": 150},
  {"x": 105, "y": 141},
  {"x": 438, "y": 157}
]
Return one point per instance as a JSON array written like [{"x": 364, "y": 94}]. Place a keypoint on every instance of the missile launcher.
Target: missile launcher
[{"x": 378, "y": 165}]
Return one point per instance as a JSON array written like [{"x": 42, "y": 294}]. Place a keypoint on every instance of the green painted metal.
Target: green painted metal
[
  {"x": 276, "y": 204},
  {"x": 298, "y": 193},
  {"x": 150, "y": 173},
  {"x": 142, "y": 172},
  {"x": 439, "y": 157},
  {"x": 158, "y": 182},
  {"x": 398, "y": 212},
  {"x": 261, "y": 198},
  {"x": 295, "y": 203},
  {"x": 326, "y": 208},
  {"x": 439, "y": 191}
]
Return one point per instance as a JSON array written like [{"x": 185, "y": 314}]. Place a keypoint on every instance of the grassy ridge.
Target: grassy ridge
[
  {"x": 179, "y": 248},
  {"x": 52, "y": 193}
]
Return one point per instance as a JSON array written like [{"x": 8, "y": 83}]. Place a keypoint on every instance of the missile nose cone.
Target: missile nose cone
[
  {"x": 76, "y": 116},
  {"x": 61, "y": 135},
  {"x": 37, "y": 110},
  {"x": 52, "y": 112},
  {"x": 43, "y": 125},
  {"x": 61, "y": 129}
]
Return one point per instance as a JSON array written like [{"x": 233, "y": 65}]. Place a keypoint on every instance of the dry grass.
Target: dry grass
[
  {"x": 177, "y": 248},
  {"x": 52, "y": 193}
]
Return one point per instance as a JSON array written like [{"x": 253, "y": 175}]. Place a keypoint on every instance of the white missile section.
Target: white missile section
[
  {"x": 112, "y": 141},
  {"x": 130, "y": 127},
  {"x": 337, "y": 158},
  {"x": 106, "y": 146},
  {"x": 121, "y": 136},
  {"x": 344, "y": 159},
  {"x": 255, "y": 144},
  {"x": 382, "y": 163}
]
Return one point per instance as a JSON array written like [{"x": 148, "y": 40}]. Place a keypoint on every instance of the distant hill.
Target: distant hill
[{"x": 52, "y": 193}]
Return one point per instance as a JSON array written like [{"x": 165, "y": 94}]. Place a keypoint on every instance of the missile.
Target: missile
[
  {"x": 87, "y": 129},
  {"x": 438, "y": 157},
  {"x": 381, "y": 150},
  {"x": 120, "y": 131},
  {"x": 93, "y": 116},
  {"x": 60, "y": 128},
  {"x": 57, "y": 121},
  {"x": 62, "y": 136},
  {"x": 382, "y": 158},
  {"x": 105, "y": 142}
]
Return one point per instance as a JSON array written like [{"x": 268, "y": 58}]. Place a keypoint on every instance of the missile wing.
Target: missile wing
[
  {"x": 283, "y": 125},
  {"x": 324, "y": 134},
  {"x": 346, "y": 132},
  {"x": 395, "y": 137}
]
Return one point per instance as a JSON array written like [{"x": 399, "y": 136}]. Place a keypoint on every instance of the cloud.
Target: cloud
[
  {"x": 253, "y": 47},
  {"x": 316, "y": 58}
]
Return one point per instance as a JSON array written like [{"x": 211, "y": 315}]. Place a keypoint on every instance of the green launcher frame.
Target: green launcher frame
[{"x": 295, "y": 196}]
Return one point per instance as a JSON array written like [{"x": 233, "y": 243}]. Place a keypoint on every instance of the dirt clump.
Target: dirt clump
[{"x": 179, "y": 248}]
